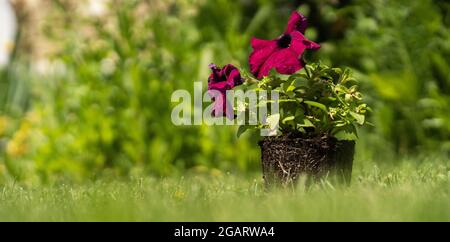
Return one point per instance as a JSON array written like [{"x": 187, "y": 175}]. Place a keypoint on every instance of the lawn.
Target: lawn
[{"x": 412, "y": 190}]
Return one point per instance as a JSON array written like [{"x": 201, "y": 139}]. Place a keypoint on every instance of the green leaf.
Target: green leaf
[
  {"x": 345, "y": 135},
  {"x": 289, "y": 100},
  {"x": 328, "y": 99},
  {"x": 306, "y": 123},
  {"x": 348, "y": 133},
  {"x": 300, "y": 82},
  {"x": 358, "y": 117},
  {"x": 298, "y": 76},
  {"x": 300, "y": 91},
  {"x": 290, "y": 94},
  {"x": 341, "y": 88},
  {"x": 290, "y": 88},
  {"x": 340, "y": 124},
  {"x": 299, "y": 114},
  {"x": 317, "y": 105},
  {"x": 287, "y": 119},
  {"x": 301, "y": 129},
  {"x": 276, "y": 82},
  {"x": 242, "y": 129}
]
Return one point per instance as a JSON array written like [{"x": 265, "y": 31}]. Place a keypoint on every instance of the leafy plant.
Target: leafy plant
[{"x": 317, "y": 101}]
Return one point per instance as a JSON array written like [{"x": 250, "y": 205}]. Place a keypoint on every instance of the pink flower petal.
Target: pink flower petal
[
  {"x": 219, "y": 86},
  {"x": 262, "y": 49},
  {"x": 283, "y": 53},
  {"x": 226, "y": 70},
  {"x": 311, "y": 45},
  {"x": 219, "y": 82},
  {"x": 299, "y": 43},
  {"x": 234, "y": 78},
  {"x": 258, "y": 44},
  {"x": 222, "y": 106},
  {"x": 297, "y": 22},
  {"x": 286, "y": 61}
]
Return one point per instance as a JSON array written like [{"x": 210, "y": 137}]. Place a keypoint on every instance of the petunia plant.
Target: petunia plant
[{"x": 313, "y": 99}]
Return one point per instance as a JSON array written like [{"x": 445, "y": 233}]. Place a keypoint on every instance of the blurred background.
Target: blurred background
[{"x": 85, "y": 85}]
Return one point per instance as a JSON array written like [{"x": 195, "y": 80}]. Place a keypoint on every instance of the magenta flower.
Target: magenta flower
[
  {"x": 283, "y": 53},
  {"x": 219, "y": 82}
]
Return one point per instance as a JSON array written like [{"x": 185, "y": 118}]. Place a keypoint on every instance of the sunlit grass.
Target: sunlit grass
[{"x": 407, "y": 192}]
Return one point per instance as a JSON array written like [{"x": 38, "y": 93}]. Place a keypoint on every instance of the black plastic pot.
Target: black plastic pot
[{"x": 285, "y": 159}]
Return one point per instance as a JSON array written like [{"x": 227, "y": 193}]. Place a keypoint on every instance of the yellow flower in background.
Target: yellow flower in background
[
  {"x": 32, "y": 118},
  {"x": 17, "y": 146},
  {"x": 3, "y": 124}
]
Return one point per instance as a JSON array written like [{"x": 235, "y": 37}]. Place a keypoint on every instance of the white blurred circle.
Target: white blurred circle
[{"x": 8, "y": 26}]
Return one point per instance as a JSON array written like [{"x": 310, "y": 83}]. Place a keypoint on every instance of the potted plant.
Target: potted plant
[{"x": 313, "y": 127}]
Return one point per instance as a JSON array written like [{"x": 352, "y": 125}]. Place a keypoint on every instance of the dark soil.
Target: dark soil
[{"x": 285, "y": 159}]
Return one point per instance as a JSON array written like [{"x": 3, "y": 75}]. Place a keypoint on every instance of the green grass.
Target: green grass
[{"x": 409, "y": 191}]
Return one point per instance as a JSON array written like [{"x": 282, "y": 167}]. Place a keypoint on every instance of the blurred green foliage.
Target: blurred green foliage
[
  {"x": 103, "y": 107},
  {"x": 402, "y": 50}
]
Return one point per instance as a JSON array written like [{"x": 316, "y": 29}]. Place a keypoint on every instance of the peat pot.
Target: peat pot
[{"x": 285, "y": 159}]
